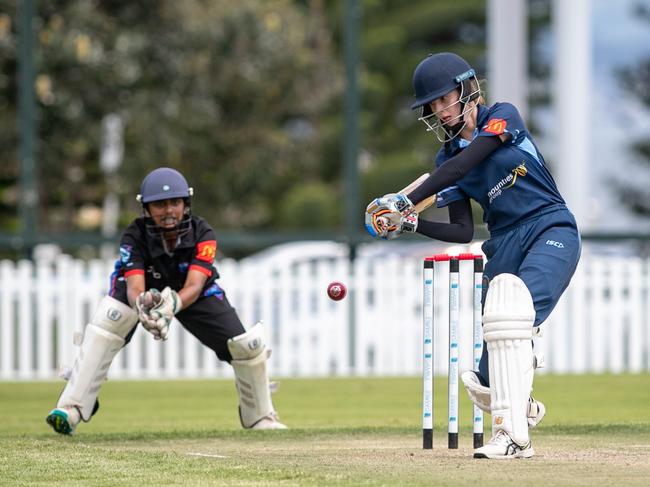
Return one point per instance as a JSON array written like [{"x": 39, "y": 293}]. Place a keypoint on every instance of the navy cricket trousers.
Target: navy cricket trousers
[{"x": 543, "y": 252}]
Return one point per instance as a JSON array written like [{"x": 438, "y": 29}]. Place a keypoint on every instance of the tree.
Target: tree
[
  {"x": 636, "y": 80},
  {"x": 227, "y": 92},
  {"x": 244, "y": 97},
  {"x": 8, "y": 125},
  {"x": 396, "y": 37}
]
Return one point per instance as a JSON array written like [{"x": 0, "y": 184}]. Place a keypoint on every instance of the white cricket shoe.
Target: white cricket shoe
[
  {"x": 270, "y": 422},
  {"x": 63, "y": 420},
  {"x": 501, "y": 447}
]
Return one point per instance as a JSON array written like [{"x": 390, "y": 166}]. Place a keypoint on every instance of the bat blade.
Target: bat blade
[{"x": 425, "y": 203}]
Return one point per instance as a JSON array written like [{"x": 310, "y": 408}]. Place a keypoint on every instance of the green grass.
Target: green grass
[{"x": 343, "y": 432}]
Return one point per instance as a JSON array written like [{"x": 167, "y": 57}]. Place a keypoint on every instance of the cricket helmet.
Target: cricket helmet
[
  {"x": 162, "y": 184},
  {"x": 434, "y": 77},
  {"x": 166, "y": 183}
]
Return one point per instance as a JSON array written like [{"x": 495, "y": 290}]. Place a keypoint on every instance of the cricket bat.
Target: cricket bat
[
  {"x": 421, "y": 206},
  {"x": 425, "y": 203}
]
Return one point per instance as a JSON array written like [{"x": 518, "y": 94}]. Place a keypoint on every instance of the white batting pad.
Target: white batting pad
[
  {"x": 508, "y": 318},
  {"x": 249, "y": 356},
  {"x": 103, "y": 338}
]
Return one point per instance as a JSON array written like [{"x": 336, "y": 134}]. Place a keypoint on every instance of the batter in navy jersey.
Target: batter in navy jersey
[
  {"x": 489, "y": 156},
  {"x": 166, "y": 271}
]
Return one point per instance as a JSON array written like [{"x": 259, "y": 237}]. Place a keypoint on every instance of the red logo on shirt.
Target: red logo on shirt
[
  {"x": 206, "y": 251},
  {"x": 496, "y": 126}
]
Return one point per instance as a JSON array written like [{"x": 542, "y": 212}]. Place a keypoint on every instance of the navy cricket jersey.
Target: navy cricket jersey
[
  {"x": 142, "y": 253},
  {"x": 511, "y": 184}
]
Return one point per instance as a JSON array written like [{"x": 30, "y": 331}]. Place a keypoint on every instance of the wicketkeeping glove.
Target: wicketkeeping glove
[
  {"x": 162, "y": 313},
  {"x": 156, "y": 310}
]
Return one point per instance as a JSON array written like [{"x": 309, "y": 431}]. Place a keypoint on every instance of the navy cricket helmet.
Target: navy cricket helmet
[
  {"x": 434, "y": 77},
  {"x": 165, "y": 183},
  {"x": 162, "y": 184}
]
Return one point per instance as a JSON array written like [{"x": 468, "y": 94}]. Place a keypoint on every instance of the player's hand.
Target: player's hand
[
  {"x": 163, "y": 312},
  {"x": 143, "y": 304},
  {"x": 406, "y": 224},
  {"x": 384, "y": 220},
  {"x": 146, "y": 301},
  {"x": 380, "y": 219},
  {"x": 154, "y": 310},
  {"x": 398, "y": 202},
  {"x": 409, "y": 223}
]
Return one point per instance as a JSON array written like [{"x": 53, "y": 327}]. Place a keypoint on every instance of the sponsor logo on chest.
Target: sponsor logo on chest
[{"x": 507, "y": 182}]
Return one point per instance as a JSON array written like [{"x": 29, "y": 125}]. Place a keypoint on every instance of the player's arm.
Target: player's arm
[
  {"x": 134, "y": 287},
  {"x": 133, "y": 263},
  {"x": 156, "y": 309},
  {"x": 193, "y": 287},
  {"x": 460, "y": 228},
  {"x": 143, "y": 301},
  {"x": 456, "y": 167},
  {"x": 201, "y": 268}
]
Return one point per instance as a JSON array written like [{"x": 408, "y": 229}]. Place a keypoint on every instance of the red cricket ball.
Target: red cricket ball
[{"x": 336, "y": 290}]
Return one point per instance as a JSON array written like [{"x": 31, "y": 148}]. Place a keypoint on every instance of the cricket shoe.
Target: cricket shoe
[
  {"x": 63, "y": 420},
  {"x": 480, "y": 396},
  {"x": 270, "y": 422},
  {"x": 501, "y": 447}
]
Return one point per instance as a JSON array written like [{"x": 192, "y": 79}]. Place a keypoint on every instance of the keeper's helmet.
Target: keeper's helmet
[
  {"x": 434, "y": 77},
  {"x": 166, "y": 183}
]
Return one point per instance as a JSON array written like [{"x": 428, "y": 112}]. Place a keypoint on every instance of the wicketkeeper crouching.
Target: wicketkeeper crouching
[{"x": 170, "y": 250}]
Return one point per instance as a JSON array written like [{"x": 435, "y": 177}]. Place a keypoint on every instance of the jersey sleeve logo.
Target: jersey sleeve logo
[
  {"x": 206, "y": 251},
  {"x": 496, "y": 126},
  {"x": 125, "y": 253}
]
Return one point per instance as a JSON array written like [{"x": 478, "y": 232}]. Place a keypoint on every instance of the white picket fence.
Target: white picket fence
[{"x": 602, "y": 323}]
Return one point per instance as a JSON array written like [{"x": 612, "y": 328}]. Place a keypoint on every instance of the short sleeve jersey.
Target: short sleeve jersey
[
  {"x": 142, "y": 253},
  {"x": 513, "y": 182}
]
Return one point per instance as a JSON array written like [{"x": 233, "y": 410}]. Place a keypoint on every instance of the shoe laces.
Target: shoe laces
[
  {"x": 501, "y": 438},
  {"x": 275, "y": 417}
]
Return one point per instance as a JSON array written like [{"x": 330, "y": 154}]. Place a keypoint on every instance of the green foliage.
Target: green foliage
[
  {"x": 635, "y": 80},
  {"x": 312, "y": 206},
  {"x": 245, "y": 98},
  {"x": 396, "y": 37},
  {"x": 390, "y": 175},
  {"x": 8, "y": 118},
  {"x": 227, "y": 92}
]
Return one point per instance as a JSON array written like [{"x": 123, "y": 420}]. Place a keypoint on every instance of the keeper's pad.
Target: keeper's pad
[
  {"x": 249, "y": 356},
  {"x": 508, "y": 318},
  {"x": 103, "y": 338}
]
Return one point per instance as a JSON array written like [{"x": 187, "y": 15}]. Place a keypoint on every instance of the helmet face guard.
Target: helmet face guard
[
  {"x": 166, "y": 184},
  {"x": 437, "y": 75},
  {"x": 181, "y": 229},
  {"x": 445, "y": 132}
]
